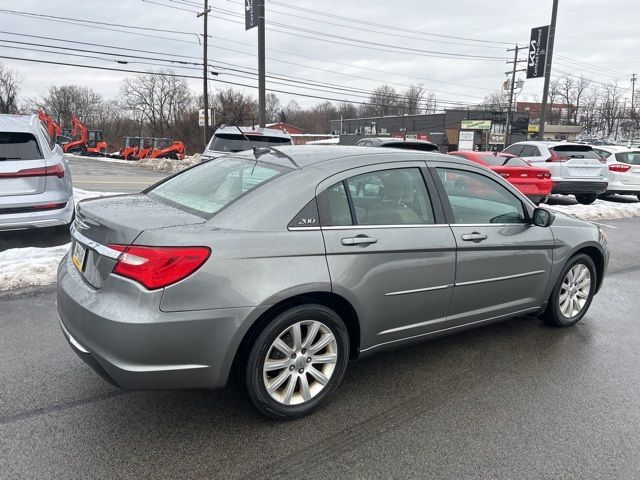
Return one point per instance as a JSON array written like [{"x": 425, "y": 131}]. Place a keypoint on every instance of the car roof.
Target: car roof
[
  {"x": 271, "y": 132},
  {"x": 550, "y": 143},
  {"x": 17, "y": 123},
  {"x": 616, "y": 148},
  {"x": 397, "y": 140},
  {"x": 308, "y": 155}
]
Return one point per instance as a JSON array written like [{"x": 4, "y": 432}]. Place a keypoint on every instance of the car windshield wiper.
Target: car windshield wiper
[{"x": 10, "y": 158}]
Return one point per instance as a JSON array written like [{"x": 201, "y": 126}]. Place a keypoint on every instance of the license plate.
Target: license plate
[{"x": 78, "y": 255}]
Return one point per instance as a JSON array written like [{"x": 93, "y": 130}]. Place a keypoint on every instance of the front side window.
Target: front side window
[
  {"x": 211, "y": 186},
  {"x": 386, "y": 197},
  {"x": 476, "y": 199}
]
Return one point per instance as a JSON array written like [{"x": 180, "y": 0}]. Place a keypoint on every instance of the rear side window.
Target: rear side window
[
  {"x": 210, "y": 187},
  {"x": 632, "y": 158},
  {"x": 575, "y": 151},
  {"x": 19, "y": 146}
]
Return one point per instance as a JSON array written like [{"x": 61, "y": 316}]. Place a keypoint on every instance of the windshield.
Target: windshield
[
  {"x": 19, "y": 146},
  {"x": 576, "y": 151},
  {"x": 211, "y": 186},
  {"x": 632, "y": 158},
  {"x": 229, "y": 142},
  {"x": 162, "y": 143},
  {"x": 422, "y": 147}
]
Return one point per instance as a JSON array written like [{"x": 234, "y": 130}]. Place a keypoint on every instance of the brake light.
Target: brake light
[
  {"x": 158, "y": 267},
  {"x": 619, "y": 167},
  {"x": 55, "y": 170},
  {"x": 556, "y": 158}
]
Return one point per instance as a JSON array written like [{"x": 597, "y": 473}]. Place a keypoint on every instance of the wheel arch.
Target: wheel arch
[
  {"x": 328, "y": 299},
  {"x": 598, "y": 259}
]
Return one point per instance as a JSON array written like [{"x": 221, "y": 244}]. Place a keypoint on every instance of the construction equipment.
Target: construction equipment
[
  {"x": 130, "y": 149},
  {"x": 50, "y": 124},
  {"x": 168, "y": 148},
  {"x": 146, "y": 147},
  {"x": 86, "y": 142}
]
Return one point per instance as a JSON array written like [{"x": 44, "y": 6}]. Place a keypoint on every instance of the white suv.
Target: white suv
[
  {"x": 623, "y": 169},
  {"x": 231, "y": 139},
  {"x": 576, "y": 169}
]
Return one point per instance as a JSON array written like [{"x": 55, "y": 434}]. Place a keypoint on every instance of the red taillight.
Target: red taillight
[
  {"x": 619, "y": 167},
  {"x": 55, "y": 170},
  {"x": 556, "y": 158},
  {"x": 157, "y": 267}
]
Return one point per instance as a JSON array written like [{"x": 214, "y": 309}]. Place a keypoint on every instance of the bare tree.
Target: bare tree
[
  {"x": 384, "y": 100},
  {"x": 273, "y": 107},
  {"x": 588, "y": 112},
  {"x": 9, "y": 88},
  {"x": 412, "y": 98},
  {"x": 65, "y": 101},
  {"x": 158, "y": 98},
  {"x": 496, "y": 101},
  {"x": 235, "y": 107},
  {"x": 430, "y": 103},
  {"x": 610, "y": 107}
]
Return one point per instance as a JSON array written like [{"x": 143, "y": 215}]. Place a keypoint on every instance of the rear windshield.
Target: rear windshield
[
  {"x": 229, "y": 142},
  {"x": 422, "y": 147},
  {"x": 498, "y": 161},
  {"x": 19, "y": 146},
  {"x": 211, "y": 186},
  {"x": 576, "y": 151},
  {"x": 632, "y": 158}
]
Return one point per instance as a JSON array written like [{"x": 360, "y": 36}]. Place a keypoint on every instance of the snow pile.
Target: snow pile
[
  {"x": 101, "y": 159},
  {"x": 599, "y": 210},
  {"x": 170, "y": 165},
  {"x": 24, "y": 267},
  {"x": 31, "y": 266}
]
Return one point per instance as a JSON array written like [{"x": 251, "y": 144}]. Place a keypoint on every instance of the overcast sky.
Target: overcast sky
[{"x": 601, "y": 34}]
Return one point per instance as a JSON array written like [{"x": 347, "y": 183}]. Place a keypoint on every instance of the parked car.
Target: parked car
[
  {"x": 228, "y": 139},
  {"x": 35, "y": 182},
  {"x": 623, "y": 169},
  {"x": 575, "y": 168},
  {"x": 281, "y": 268},
  {"x": 534, "y": 182},
  {"x": 392, "y": 142}
]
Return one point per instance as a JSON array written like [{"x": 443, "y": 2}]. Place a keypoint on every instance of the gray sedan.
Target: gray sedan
[{"x": 280, "y": 267}]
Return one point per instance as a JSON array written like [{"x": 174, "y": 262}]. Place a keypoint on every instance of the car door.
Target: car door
[
  {"x": 388, "y": 250},
  {"x": 503, "y": 261}
]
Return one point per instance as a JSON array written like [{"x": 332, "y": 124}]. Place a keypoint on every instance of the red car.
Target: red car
[{"x": 534, "y": 182}]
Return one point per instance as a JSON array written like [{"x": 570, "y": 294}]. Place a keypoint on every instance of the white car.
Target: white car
[
  {"x": 231, "y": 139},
  {"x": 575, "y": 168},
  {"x": 623, "y": 169},
  {"x": 35, "y": 182}
]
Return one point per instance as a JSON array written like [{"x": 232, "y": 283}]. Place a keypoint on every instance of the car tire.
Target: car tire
[
  {"x": 295, "y": 386},
  {"x": 586, "y": 198},
  {"x": 569, "y": 301}
]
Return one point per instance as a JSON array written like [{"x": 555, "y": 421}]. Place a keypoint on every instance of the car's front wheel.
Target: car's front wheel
[
  {"x": 573, "y": 293},
  {"x": 586, "y": 198},
  {"x": 297, "y": 361}
]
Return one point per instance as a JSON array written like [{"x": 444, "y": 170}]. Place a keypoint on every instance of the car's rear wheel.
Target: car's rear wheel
[
  {"x": 572, "y": 295},
  {"x": 586, "y": 198},
  {"x": 297, "y": 361}
]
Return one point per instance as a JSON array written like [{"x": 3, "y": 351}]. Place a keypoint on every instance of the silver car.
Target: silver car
[
  {"x": 35, "y": 182},
  {"x": 283, "y": 267},
  {"x": 575, "y": 168}
]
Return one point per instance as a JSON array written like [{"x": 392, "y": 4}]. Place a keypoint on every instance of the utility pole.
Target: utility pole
[
  {"x": 634, "y": 77},
  {"x": 261, "y": 66},
  {"x": 547, "y": 72},
  {"x": 205, "y": 85},
  {"x": 507, "y": 131}
]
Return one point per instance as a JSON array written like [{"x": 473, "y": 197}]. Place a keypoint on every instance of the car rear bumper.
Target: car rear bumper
[
  {"x": 618, "y": 186},
  {"x": 569, "y": 187},
  {"x": 121, "y": 333},
  {"x": 45, "y": 218}
]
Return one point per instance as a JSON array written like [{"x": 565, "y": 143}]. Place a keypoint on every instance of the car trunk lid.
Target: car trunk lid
[
  {"x": 578, "y": 161},
  {"x": 117, "y": 220}
]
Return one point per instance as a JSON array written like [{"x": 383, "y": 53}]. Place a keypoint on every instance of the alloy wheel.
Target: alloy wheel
[
  {"x": 300, "y": 362},
  {"x": 575, "y": 290}
]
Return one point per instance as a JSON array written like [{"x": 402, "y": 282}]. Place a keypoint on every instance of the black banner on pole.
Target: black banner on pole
[
  {"x": 537, "y": 61},
  {"x": 250, "y": 14}
]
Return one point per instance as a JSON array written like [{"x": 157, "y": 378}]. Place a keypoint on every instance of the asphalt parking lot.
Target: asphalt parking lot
[{"x": 512, "y": 400}]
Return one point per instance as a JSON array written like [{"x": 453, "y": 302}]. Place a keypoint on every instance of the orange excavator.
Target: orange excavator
[
  {"x": 50, "y": 124},
  {"x": 86, "y": 142},
  {"x": 168, "y": 148}
]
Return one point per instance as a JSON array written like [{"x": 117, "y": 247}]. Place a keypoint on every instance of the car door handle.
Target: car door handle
[
  {"x": 359, "y": 240},
  {"x": 476, "y": 237}
]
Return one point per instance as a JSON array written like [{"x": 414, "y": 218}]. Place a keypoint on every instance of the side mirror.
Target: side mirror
[{"x": 542, "y": 217}]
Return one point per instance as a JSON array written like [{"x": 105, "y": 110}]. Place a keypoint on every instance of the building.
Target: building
[
  {"x": 304, "y": 138},
  {"x": 285, "y": 127},
  {"x": 557, "y": 132},
  {"x": 443, "y": 129},
  {"x": 557, "y": 111}
]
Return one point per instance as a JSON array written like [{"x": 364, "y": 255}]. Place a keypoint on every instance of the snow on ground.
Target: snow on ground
[
  {"x": 31, "y": 266},
  {"x": 600, "y": 209},
  {"x": 168, "y": 165},
  {"x": 102, "y": 159}
]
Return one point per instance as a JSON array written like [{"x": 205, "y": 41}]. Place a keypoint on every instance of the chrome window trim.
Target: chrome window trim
[
  {"x": 498, "y": 279},
  {"x": 101, "y": 249},
  {"x": 418, "y": 290},
  {"x": 413, "y": 225}
]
